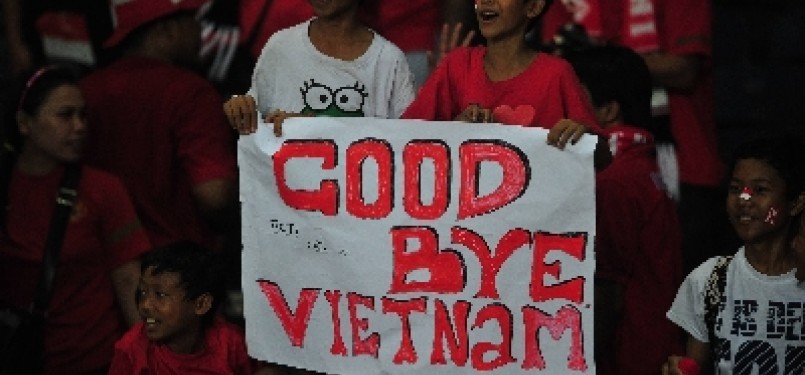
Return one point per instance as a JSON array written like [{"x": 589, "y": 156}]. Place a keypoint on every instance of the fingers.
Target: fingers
[
  {"x": 276, "y": 118},
  {"x": 565, "y": 131},
  {"x": 444, "y": 36},
  {"x": 278, "y": 126},
  {"x": 476, "y": 113},
  {"x": 468, "y": 38},
  {"x": 241, "y": 113},
  {"x": 671, "y": 367},
  {"x": 449, "y": 39},
  {"x": 455, "y": 34}
]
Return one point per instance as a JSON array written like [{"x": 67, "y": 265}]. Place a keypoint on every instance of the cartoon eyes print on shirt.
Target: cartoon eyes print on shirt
[
  {"x": 522, "y": 115},
  {"x": 346, "y": 101}
]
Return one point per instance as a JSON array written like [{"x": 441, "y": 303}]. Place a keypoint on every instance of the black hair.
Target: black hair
[
  {"x": 785, "y": 152},
  {"x": 616, "y": 74},
  {"x": 29, "y": 97},
  {"x": 198, "y": 269},
  {"x": 533, "y": 23},
  {"x": 137, "y": 37}
]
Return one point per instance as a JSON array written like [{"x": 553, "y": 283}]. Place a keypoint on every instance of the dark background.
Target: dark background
[{"x": 759, "y": 67}]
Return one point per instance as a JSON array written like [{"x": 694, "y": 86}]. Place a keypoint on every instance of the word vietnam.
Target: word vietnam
[{"x": 448, "y": 277}]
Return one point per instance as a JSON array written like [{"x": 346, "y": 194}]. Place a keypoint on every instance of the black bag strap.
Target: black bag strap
[
  {"x": 65, "y": 199},
  {"x": 716, "y": 284}
]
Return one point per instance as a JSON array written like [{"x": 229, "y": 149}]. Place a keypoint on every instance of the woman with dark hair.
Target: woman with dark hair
[{"x": 96, "y": 274}]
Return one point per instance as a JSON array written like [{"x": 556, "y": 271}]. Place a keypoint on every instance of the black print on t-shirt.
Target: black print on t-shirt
[{"x": 782, "y": 320}]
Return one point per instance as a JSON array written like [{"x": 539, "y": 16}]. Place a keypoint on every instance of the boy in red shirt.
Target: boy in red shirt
[
  {"x": 638, "y": 255},
  {"x": 180, "y": 333}
]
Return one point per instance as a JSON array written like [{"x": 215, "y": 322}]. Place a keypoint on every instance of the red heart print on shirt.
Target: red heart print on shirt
[{"x": 522, "y": 115}]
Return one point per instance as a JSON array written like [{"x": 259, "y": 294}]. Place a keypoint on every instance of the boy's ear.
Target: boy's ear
[
  {"x": 203, "y": 304},
  {"x": 608, "y": 113},
  {"x": 535, "y": 8}
]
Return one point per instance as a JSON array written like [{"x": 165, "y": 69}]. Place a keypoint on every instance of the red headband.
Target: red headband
[{"x": 30, "y": 83}]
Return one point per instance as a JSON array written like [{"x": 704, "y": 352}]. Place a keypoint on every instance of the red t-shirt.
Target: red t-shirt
[
  {"x": 160, "y": 129},
  {"x": 83, "y": 316},
  {"x": 638, "y": 247},
  {"x": 683, "y": 28},
  {"x": 546, "y": 92},
  {"x": 224, "y": 353}
]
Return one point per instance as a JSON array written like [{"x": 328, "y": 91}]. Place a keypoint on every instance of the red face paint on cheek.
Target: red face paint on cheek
[{"x": 771, "y": 216}]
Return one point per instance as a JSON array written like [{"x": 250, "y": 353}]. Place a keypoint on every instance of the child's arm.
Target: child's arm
[
  {"x": 124, "y": 280},
  {"x": 241, "y": 111}
]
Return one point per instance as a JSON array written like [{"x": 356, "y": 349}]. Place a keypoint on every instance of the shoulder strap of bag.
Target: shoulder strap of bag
[
  {"x": 713, "y": 292},
  {"x": 68, "y": 191}
]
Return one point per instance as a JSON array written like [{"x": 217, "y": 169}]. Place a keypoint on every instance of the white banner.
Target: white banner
[{"x": 410, "y": 247}]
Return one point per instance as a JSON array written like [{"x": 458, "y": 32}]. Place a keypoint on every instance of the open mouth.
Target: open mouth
[{"x": 487, "y": 15}]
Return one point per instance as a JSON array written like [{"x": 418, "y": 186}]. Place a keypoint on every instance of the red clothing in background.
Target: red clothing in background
[
  {"x": 160, "y": 129},
  {"x": 83, "y": 318},
  {"x": 638, "y": 247},
  {"x": 683, "y": 27},
  {"x": 411, "y": 25}
]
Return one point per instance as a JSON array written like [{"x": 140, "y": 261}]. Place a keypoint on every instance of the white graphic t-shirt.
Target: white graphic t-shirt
[
  {"x": 293, "y": 76},
  {"x": 759, "y": 329}
]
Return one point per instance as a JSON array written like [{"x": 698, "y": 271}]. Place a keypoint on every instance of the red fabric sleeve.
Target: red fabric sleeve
[
  {"x": 123, "y": 233},
  {"x": 577, "y": 106},
  {"x": 204, "y": 142},
  {"x": 434, "y": 101}
]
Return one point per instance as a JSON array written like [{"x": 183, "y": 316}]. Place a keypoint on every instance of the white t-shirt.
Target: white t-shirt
[
  {"x": 293, "y": 76},
  {"x": 761, "y": 319}
]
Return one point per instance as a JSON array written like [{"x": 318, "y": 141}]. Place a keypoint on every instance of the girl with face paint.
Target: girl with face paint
[{"x": 766, "y": 193}]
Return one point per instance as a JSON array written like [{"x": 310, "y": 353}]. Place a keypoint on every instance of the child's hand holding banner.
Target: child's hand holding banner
[{"x": 399, "y": 246}]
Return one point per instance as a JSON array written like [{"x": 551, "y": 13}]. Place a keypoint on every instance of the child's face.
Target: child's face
[
  {"x": 331, "y": 8},
  {"x": 498, "y": 19},
  {"x": 167, "y": 316},
  {"x": 756, "y": 203}
]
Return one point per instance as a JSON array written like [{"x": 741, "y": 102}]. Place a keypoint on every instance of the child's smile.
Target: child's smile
[
  {"x": 167, "y": 316},
  {"x": 755, "y": 200}
]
